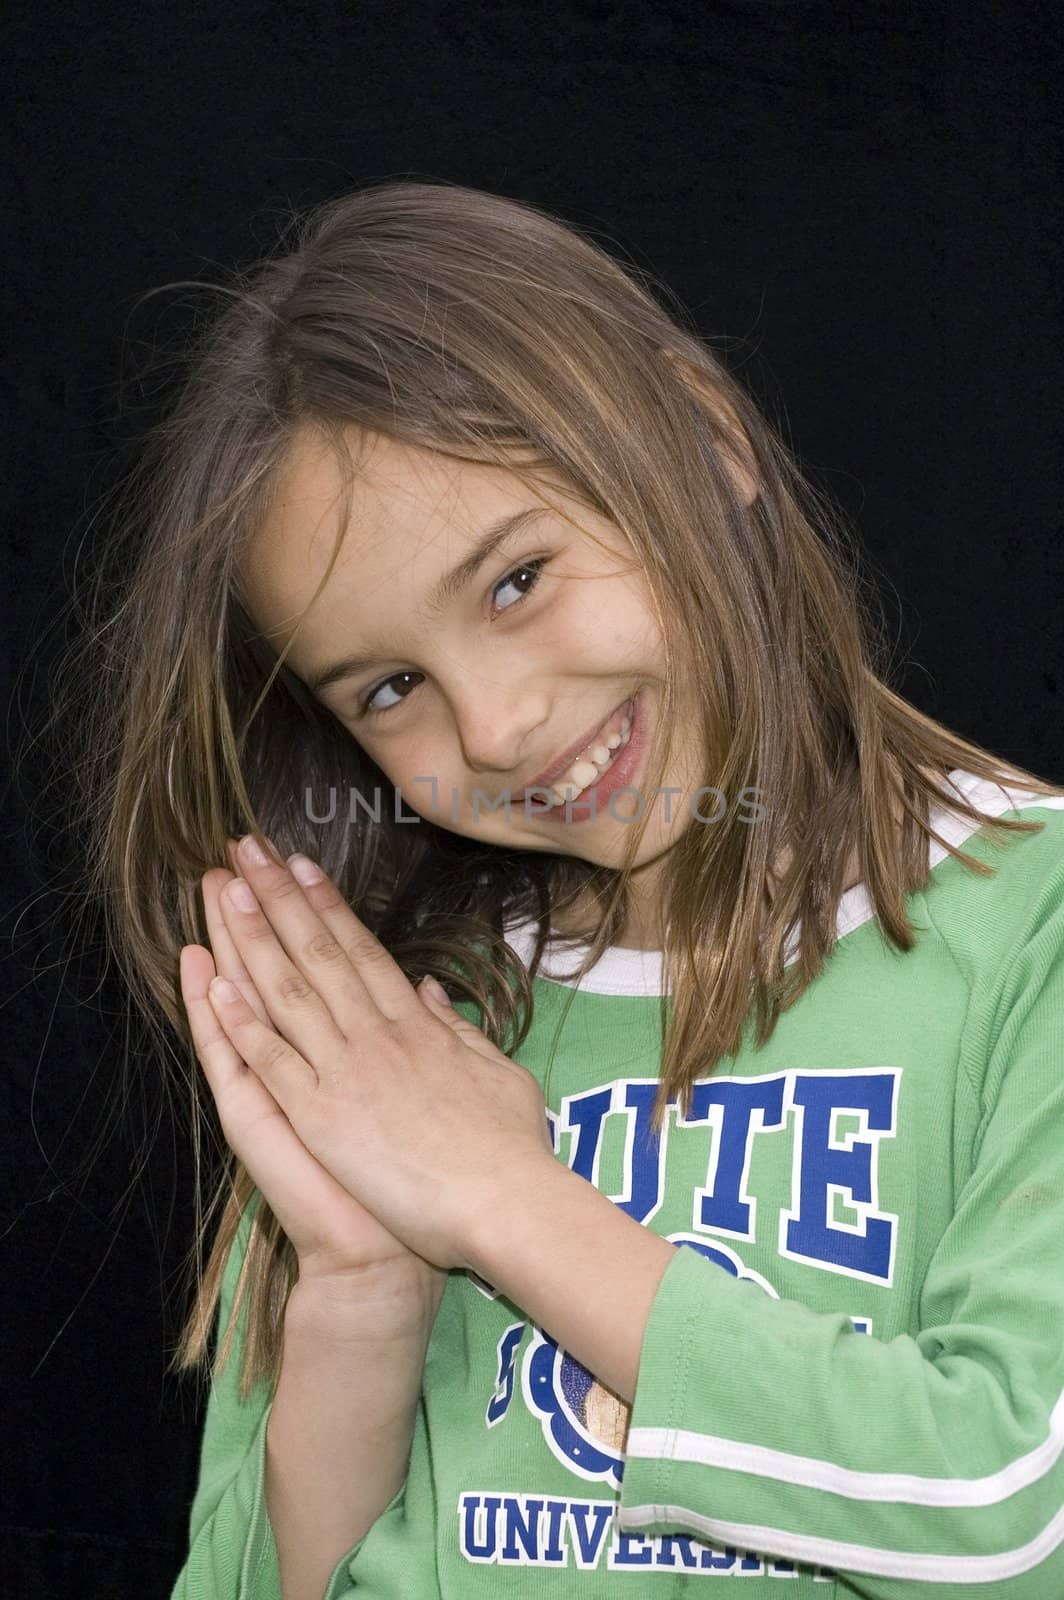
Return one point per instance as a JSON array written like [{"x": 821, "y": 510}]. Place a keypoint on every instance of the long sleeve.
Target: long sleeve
[
  {"x": 931, "y": 1463},
  {"x": 232, "y": 1554}
]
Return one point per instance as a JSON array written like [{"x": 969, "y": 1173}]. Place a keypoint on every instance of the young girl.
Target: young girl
[{"x": 715, "y": 1227}]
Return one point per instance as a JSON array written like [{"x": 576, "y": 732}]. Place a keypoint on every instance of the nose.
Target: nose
[{"x": 498, "y": 727}]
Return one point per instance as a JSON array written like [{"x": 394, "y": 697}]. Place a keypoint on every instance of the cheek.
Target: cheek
[
  {"x": 610, "y": 614},
  {"x": 635, "y": 632},
  {"x": 428, "y": 778}
]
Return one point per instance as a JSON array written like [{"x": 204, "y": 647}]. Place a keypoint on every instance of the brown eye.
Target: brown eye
[
  {"x": 530, "y": 568},
  {"x": 533, "y": 567},
  {"x": 369, "y": 709}
]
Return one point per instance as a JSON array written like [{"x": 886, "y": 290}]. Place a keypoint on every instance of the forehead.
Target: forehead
[{"x": 413, "y": 513}]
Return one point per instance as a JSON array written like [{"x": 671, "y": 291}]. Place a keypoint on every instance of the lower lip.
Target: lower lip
[{"x": 614, "y": 778}]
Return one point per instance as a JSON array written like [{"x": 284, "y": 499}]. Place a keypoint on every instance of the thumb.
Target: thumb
[
  {"x": 437, "y": 998},
  {"x": 444, "y": 1009}
]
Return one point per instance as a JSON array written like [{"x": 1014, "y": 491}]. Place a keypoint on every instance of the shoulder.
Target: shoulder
[
  {"x": 1020, "y": 859},
  {"x": 986, "y": 917}
]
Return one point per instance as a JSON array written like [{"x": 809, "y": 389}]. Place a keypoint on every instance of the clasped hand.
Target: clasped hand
[{"x": 408, "y": 1106}]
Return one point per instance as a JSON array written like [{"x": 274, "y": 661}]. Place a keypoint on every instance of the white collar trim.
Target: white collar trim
[{"x": 621, "y": 971}]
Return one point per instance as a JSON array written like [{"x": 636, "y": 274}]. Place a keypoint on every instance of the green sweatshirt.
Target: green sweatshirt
[{"x": 852, "y": 1377}]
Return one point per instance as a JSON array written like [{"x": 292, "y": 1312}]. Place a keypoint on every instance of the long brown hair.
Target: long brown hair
[{"x": 486, "y": 329}]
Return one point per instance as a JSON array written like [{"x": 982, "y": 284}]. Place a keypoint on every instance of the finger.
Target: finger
[
  {"x": 295, "y": 1004},
  {"x": 227, "y": 958},
  {"x": 436, "y": 999},
  {"x": 472, "y": 1035},
  {"x": 468, "y": 1031},
  {"x": 431, "y": 990},
  {"x": 277, "y": 1064},
  {"x": 295, "y": 1184},
  {"x": 215, "y": 1050},
  {"x": 343, "y": 960}
]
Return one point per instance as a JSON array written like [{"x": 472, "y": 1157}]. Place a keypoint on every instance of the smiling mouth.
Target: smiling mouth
[
  {"x": 596, "y": 758},
  {"x": 577, "y": 794}
]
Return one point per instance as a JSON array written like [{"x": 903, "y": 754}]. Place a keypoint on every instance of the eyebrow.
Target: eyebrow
[{"x": 446, "y": 590}]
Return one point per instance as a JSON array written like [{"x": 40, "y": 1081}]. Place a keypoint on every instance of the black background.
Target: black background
[{"x": 860, "y": 204}]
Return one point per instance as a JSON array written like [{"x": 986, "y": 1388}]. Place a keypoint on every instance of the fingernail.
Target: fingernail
[
  {"x": 253, "y": 851},
  {"x": 221, "y": 989},
  {"x": 437, "y": 991},
  {"x": 241, "y": 895},
  {"x": 304, "y": 870}
]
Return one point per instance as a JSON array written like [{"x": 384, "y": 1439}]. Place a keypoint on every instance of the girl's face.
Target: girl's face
[{"x": 467, "y": 671}]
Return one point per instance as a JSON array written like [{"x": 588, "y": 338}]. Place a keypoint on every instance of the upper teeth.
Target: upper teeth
[{"x": 590, "y": 764}]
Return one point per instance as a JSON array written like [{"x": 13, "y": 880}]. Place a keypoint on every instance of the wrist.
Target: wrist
[
  {"x": 372, "y": 1305},
  {"x": 522, "y": 1194},
  {"x": 554, "y": 1229}
]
